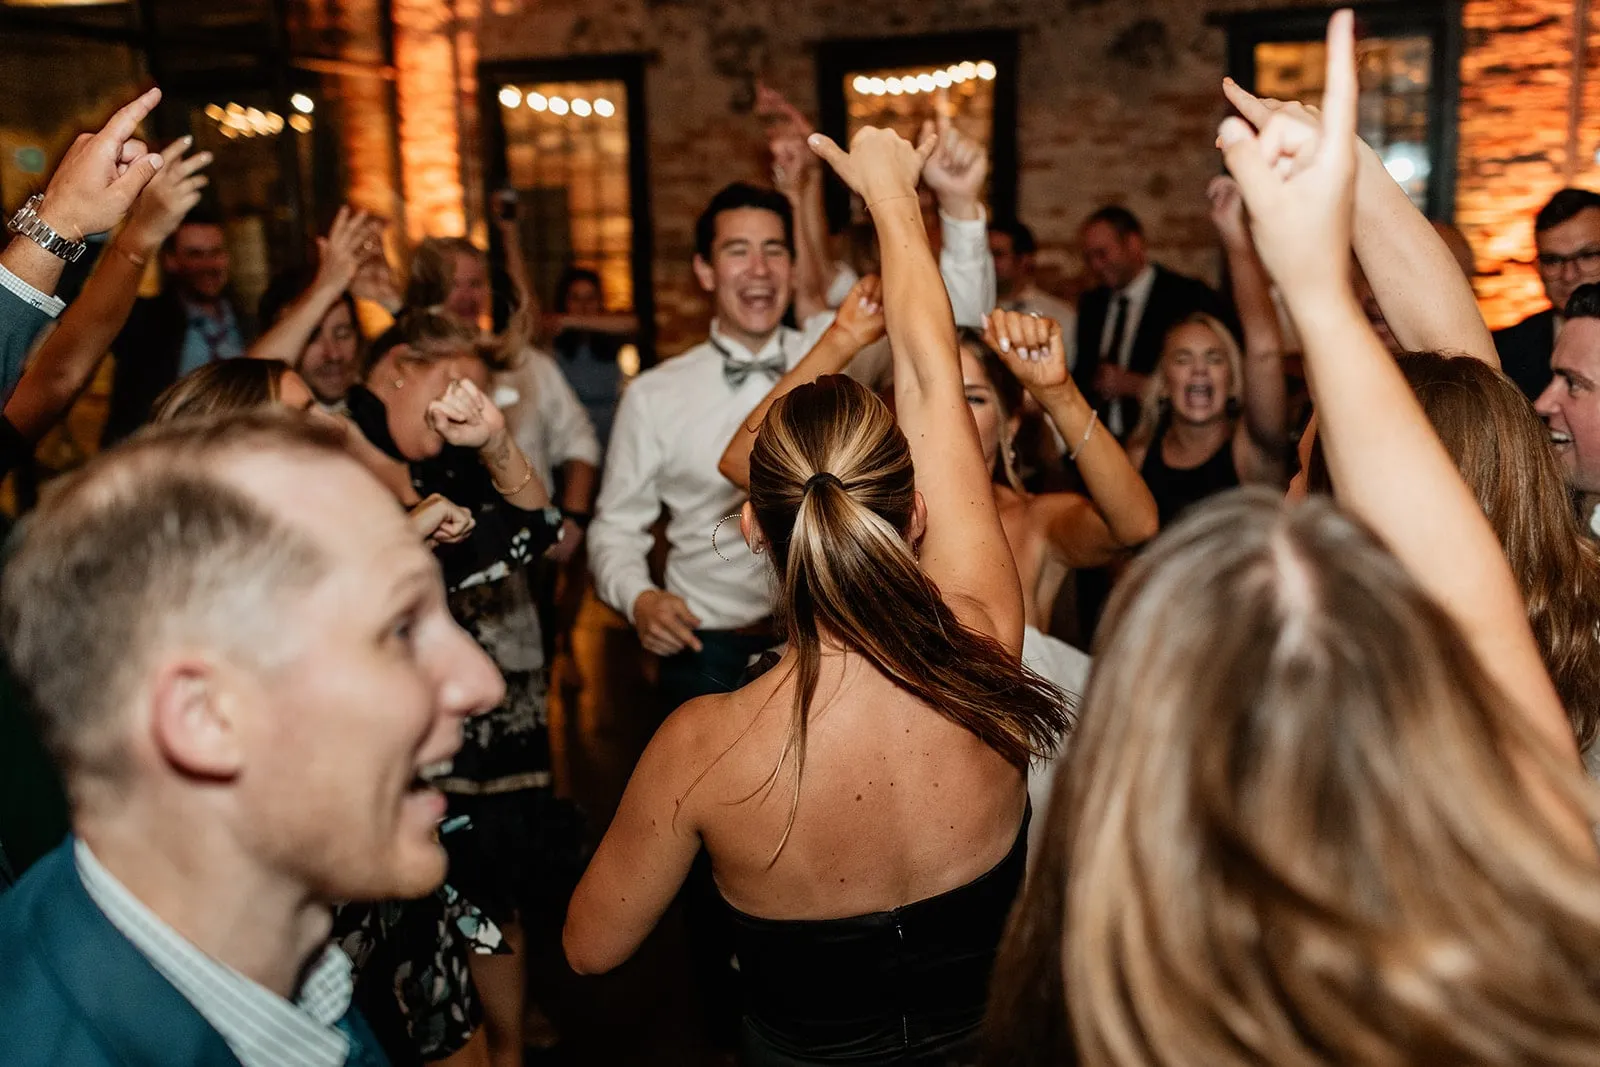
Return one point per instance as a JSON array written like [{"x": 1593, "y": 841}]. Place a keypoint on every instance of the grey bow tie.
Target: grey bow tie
[{"x": 737, "y": 372}]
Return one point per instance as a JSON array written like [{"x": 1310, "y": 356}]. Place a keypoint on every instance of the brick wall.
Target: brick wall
[{"x": 1118, "y": 102}]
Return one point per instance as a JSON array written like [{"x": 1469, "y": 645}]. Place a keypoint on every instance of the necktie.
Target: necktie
[
  {"x": 1119, "y": 327},
  {"x": 1112, "y": 410}
]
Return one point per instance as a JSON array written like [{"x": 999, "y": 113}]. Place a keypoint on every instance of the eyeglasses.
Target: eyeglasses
[{"x": 1586, "y": 259}]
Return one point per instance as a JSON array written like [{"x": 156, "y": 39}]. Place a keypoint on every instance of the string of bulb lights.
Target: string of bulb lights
[
  {"x": 512, "y": 97},
  {"x": 234, "y": 120},
  {"x": 926, "y": 82}
]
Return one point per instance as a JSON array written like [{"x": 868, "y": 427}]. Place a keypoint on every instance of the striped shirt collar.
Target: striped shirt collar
[{"x": 261, "y": 1028}]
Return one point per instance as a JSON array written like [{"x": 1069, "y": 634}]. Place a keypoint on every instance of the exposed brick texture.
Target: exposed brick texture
[{"x": 1118, "y": 103}]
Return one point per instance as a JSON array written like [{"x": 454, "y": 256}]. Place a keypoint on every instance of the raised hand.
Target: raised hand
[
  {"x": 1032, "y": 347},
  {"x": 441, "y": 521},
  {"x": 1227, "y": 211},
  {"x": 880, "y": 164},
  {"x": 352, "y": 240},
  {"x": 169, "y": 196},
  {"x": 957, "y": 168},
  {"x": 102, "y": 174},
  {"x": 793, "y": 165},
  {"x": 1299, "y": 181},
  {"x": 465, "y": 417},
  {"x": 860, "y": 317}
]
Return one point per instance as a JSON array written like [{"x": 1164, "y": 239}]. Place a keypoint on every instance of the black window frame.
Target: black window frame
[
  {"x": 627, "y": 68},
  {"x": 1439, "y": 20}
]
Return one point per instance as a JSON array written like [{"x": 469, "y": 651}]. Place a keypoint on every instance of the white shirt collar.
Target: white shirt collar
[
  {"x": 261, "y": 1028},
  {"x": 1138, "y": 290},
  {"x": 739, "y": 352}
]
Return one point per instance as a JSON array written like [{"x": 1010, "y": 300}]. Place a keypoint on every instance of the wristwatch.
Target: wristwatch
[{"x": 27, "y": 223}]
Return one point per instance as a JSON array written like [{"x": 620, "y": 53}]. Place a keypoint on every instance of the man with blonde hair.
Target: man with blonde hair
[{"x": 240, "y": 657}]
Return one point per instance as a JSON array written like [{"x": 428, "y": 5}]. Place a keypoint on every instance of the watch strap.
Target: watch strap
[{"x": 27, "y": 223}]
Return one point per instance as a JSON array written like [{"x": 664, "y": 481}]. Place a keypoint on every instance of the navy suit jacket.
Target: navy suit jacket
[
  {"x": 1173, "y": 297},
  {"x": 1525, "y": 350},
  {"x": 74, "y": 992}
]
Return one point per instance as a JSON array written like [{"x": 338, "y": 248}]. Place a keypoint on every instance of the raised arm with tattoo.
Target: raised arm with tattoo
[
  {"x": 1261, "y": 438},
  {"x": 858, "y": 324},
  {"x": 1386, "y": 463},
  {"x": 67, "y": 359},
  {"x": 467, "y": 418},
  {"x": 1426, "y": 300},
  {"x": 964, "y": 549}
]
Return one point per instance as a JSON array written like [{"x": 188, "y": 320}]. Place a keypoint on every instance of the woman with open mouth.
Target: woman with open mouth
[{"x": 1214, "y": 417}]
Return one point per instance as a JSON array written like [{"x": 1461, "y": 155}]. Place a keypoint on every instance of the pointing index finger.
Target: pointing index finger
[
  {"x": 127, "y": 119},
  {"x": 1339, "y": 98}
]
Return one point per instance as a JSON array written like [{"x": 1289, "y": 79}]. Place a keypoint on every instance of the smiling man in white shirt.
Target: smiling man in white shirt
[{"x": 675, "y": 420}]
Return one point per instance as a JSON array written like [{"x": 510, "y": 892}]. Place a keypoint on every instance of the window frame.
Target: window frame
[
  {"x": 629, "y": 69},
  {"x": 1439, "y": 20},
  {"x": 837, "y": 58}
]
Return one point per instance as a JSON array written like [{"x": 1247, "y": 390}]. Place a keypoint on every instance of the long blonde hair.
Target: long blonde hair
[
  {"x": 831, "y": 487},
  {"x": 1292, "y": 829},
  {"x": 1155, "y": 404}
]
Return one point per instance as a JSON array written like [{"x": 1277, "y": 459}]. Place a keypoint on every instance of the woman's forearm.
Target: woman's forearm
[
  {"x": 67, "y": 359},
  {"x": 513, "y": 474},
  {"x": 1118, "y": 492},
  {"x": 830, "y": 355}
]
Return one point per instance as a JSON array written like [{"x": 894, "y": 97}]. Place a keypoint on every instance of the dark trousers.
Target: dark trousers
[{"x": 717, "y": 668}]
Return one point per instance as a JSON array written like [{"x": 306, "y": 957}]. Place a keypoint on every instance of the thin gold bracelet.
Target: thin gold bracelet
[
  {"x": 885, "y": 200},
  {"x": 526, "y": 478}
]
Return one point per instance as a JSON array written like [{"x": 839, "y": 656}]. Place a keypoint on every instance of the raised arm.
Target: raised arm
[
  {"x": 465, "y": 417},
  {"x": 956, "y": 173},
  {"x": 1387, "y": 465},
  {"x": 350, "y": 242},
  {"x": 67, "y": 359},
  {"x": 798, "y": 176},
  {"x": 1120, "y": 512},
  {"x": 858, "y": 325},
  {"x": 1426, "y": 300},
  {"x": 97, "y": 182},
  {"x": 1261, "y": 441},
  {"x": 964, "y": 549}
]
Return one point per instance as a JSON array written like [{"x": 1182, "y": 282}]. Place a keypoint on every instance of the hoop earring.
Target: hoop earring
[{"x": 714, "y": 530}]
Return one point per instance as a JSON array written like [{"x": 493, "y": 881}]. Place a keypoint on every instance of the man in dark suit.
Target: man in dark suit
[
  {"x": 1567, "y": 234},
  {"x": 1122, "y": 324},
  {"x": 192, "y": 322},
  {"x": 240, "y": 656}
]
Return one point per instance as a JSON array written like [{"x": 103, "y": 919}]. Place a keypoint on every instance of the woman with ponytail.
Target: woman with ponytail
[{"x": 864, "y": 803}]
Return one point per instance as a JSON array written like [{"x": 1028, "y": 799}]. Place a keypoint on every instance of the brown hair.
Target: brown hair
[
  {"x": 1155, "y": 404},
  {"x": 223, "y": 386},
  {"x": 152, "y": 541},
  {"x": 1008, "y": 390},
  {"x": 1502, "y": 449},
  {"x": 831, "y": 486},
  {"x": 433, "y": 276},
  {"x": 1294, "y": 827}
]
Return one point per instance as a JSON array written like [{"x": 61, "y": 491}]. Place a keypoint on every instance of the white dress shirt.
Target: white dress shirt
[
  {"x": 1137, "y": 293},
  {"x": 45, "y": 302},
  {"x": 260, "y": 1027},
  {"x": 547, "y": 419},
  {"x": 672, "y": 426}
]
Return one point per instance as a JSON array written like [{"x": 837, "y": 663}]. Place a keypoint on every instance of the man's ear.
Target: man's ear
[
  {"x": 705, "y": 274},
  {"x": 194, "y": 719}
]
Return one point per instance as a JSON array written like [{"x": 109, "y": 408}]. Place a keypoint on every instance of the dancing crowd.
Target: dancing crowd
[{"x": 1165, "y": 680}]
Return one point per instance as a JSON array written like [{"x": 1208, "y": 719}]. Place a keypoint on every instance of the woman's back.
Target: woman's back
[
  {"x": 871, "y": 936},
  {"x": 897, "y": 803}
]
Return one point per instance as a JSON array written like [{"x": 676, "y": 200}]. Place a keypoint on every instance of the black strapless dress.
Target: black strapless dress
[{"x": 906, "y": 986}]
